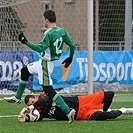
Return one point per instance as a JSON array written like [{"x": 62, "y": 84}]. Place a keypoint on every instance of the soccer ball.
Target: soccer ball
[{"x": 33, "y": 115}]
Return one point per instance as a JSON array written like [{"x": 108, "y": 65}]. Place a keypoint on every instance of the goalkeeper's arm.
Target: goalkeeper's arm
[{"x": 22, "y": 117}]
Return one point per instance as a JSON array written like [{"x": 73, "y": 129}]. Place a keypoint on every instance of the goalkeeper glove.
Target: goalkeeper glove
[
  {"x": 22, "y": 38},
  {"x": 67, "y": 61}
]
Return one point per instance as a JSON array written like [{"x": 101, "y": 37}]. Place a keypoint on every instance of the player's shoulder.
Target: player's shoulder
[{"x": 60, "y": 28}]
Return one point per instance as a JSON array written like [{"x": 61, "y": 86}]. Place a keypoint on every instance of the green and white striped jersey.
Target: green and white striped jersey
[{"x": 51, "y": 45}]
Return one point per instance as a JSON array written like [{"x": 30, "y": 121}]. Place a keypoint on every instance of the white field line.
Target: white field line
[
  {"x": 115, "y": 95},
  {"x": 7, "y": 116},
  {"x": 3, "y": 99}
]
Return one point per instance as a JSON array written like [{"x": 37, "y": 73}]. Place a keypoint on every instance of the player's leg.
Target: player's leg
[
  {"x": 30, "y": 69},
  {"x": 47, "y": 87},
  {"x": 59, "y": 101},
  {"x": 126, "y": 110},
  {"x": 23, "y": 82},
  {"x": 103, "y": 115},
  {"x": 108, "y": 96}
]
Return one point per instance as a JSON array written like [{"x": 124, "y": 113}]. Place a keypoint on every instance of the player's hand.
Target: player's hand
[
  {"x": 22, "y": 38},
  {"x": 67, "y": 62},
  {"x": 23, "y": 111},
  {"x": 22, "y": 115},
  {"x": 21, "y": 118}
]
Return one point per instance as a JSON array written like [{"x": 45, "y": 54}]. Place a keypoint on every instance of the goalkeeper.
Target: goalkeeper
[
  {"x": 86, "y": 106},
  {"x": 50, "y": 49}
]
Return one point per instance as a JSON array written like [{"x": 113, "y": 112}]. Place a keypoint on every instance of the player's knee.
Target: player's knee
[
  {"x": 25, "y": 74},
  {"x": 112, "y": 94},
  {"x": 49, "y": 91},
  {"x": 109, "y": 94}
]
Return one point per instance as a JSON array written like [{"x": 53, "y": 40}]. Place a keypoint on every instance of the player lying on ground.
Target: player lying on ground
[{"x": 86, "y": 107}]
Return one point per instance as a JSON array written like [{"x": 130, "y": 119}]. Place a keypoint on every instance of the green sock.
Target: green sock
[
  {"x": 59, "y": 101},
  {"x": 21, "y": 88}
]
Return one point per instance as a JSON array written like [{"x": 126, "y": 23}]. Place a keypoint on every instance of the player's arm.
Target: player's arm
[
  {"x": 37, "y": 47},
  {"x": 27, "y": 116},
  {"x": 22, "y": 115},
  {"x": 68, "y": 40}
]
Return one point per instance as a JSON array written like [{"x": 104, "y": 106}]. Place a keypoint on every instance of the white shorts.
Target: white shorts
[{"x": 42, "y": 70}]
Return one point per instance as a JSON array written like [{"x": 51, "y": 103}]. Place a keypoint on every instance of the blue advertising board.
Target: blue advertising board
[
  {"x": 11, "y": 63},
  {"x": 108, "y": 67}
]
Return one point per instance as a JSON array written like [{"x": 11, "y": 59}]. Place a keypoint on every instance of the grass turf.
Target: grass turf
[{"x": 122, "y": 124}]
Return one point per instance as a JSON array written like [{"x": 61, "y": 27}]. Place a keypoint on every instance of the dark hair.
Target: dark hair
[
  {"x": 50, "y": 15},
  {"x": 27, "y": 97}
]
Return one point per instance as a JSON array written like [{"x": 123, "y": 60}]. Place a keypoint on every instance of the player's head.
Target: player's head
[
  {"x": 49, "y": 17},
  {"x": 30, "y": 99}
]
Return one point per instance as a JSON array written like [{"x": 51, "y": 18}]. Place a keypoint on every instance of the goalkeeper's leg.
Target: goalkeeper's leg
[
  {"x": 59, "y": 101},
  {"x": 108, "y": 96},
  {"x": 23, "y": 82},
  {"x": 103, "y": 115}
]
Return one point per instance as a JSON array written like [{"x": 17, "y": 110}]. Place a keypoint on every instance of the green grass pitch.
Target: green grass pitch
[{"x": 122, "y": 124}]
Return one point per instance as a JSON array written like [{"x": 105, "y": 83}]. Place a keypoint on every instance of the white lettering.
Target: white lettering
[
  {"x": 111, "y": 74},
  {"x": 127, "y": 66},
  {"x": 106, "y": 72},
  {"x": 9, "y": 71},
  {"x": 132, "y": 70},
  {"x": 95, "y": 68},
  {"x": 8, "y": 68},
  {"x": 80, "y": 61},
  {"x": 17, "y": 66},
  {"x": 86, "y": 69},
  {"x": 120, "y": 71},
  {"x": 102, "y": 66}
]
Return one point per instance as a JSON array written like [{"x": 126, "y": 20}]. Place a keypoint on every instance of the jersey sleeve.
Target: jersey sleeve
[
  {"x": 69, "y": 41},
  {"x": 36, "y": 47},
  {"x": 42, "y": 46}
]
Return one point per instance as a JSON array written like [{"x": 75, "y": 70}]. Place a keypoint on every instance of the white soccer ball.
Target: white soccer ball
[{"x": 34, "y": 115}]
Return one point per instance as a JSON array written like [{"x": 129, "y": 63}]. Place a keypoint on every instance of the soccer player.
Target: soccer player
[
  {"x": 50, "y": 49},
  {"x": 86, "y": 107}
]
